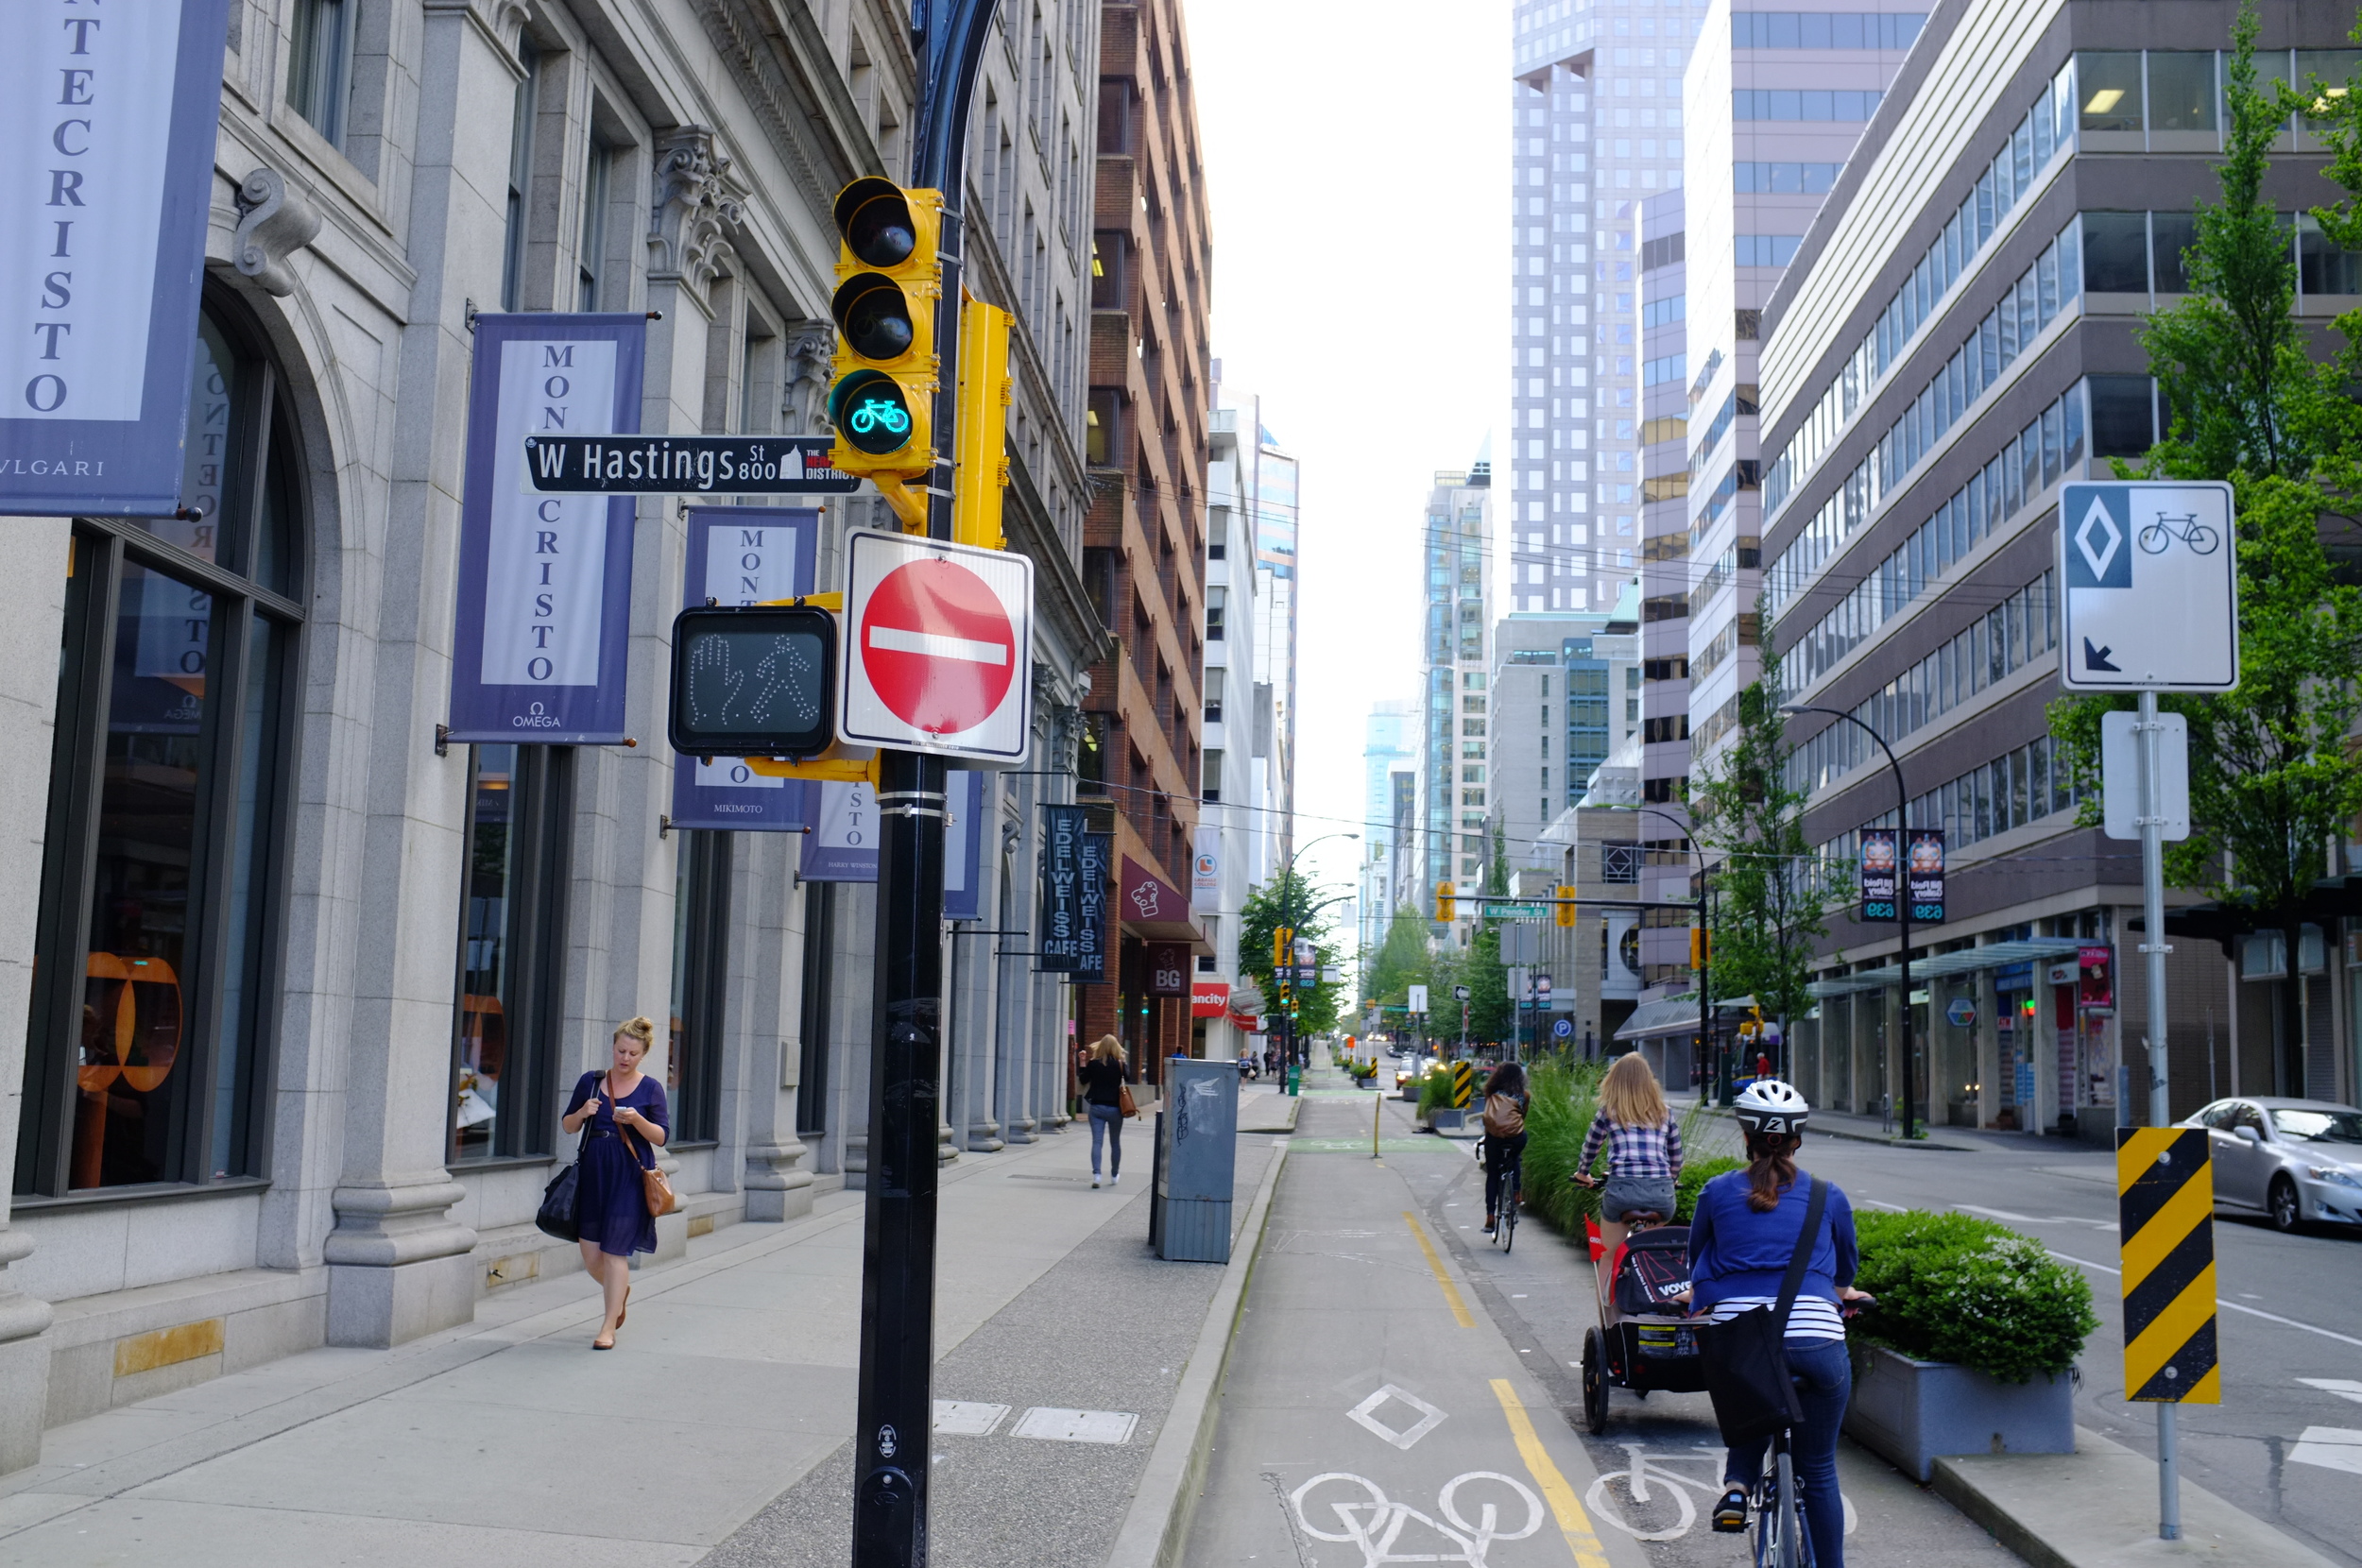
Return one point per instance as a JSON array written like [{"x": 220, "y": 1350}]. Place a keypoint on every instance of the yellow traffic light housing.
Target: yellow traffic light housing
[
  {"x": 981, "y": 447},
  {"x": 1564, "y": 911},
  {"x": 1447, "y": 907},
  {"x": 881, "y": 395},
  {"x": 1700, "y": 947},
  {"x": 1282, "y": 950}
]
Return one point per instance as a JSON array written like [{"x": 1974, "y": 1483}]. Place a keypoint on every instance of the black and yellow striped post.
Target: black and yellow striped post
[
  {"x": 2166, "y": 1214},
  {"x": 1462, "y": 1084}
]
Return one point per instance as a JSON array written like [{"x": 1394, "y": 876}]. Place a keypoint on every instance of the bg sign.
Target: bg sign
[{"x": 2151, "y": 570}]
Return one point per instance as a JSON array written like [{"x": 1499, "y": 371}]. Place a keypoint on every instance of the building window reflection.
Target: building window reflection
[
  {"x": 161, "y": 884},
  {"x": 511, "y": 951},
  {"x": 701, "y": 924}
]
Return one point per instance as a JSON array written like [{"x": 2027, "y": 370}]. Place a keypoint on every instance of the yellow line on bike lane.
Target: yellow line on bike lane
[
  {"x": 1573, "y": 1523},
  {"x": 1435, "y": 1261}
]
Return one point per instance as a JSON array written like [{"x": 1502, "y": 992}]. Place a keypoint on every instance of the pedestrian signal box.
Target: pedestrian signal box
[{"x": 757, "y": 681}]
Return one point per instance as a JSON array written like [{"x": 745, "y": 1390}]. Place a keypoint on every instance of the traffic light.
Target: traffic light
[
  {"x": 882, "y": 397},
  {"x": 1282, "y": 948},
  {"x": 981, "y": 455},
  {"x": 757, "y": 681},
  {"x": 1700, "y": 947},
  {"x": 1447, "y": 907},
  {"x": 1565, "y": 909}
]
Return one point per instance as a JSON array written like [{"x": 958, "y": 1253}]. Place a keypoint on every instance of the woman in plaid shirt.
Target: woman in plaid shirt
[{"x": 1644, "y": 1155}]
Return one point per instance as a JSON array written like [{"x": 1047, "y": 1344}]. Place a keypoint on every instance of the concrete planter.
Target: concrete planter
[{"x": 1914, "y": 1412}]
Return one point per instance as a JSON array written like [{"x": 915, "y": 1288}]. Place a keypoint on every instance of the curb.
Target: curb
[
  {"x": 2104, "y": 1516},
  {"x": 1158, "y": 1521},
  {"x": 1888, "y": 1140}
]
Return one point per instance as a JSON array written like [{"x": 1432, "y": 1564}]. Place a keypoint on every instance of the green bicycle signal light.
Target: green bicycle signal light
[{"x": 883, "y": 381}]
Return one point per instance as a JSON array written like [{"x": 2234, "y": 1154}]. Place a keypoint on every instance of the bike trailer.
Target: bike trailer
[
  {"x": 1654, "y": 1347},
  {"x": 1651, "y": 1269}
]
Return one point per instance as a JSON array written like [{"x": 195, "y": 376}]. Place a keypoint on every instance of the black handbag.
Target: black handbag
[
  {"x": 1745, "y": 1356},
  {"x": 561, "y": 1203}
]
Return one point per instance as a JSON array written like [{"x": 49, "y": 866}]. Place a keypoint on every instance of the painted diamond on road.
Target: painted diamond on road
[{"x": 1364, "y": 1414}]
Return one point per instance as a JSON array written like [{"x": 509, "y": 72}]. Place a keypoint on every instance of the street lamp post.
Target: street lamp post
[{"x": 1901, "y": 906}]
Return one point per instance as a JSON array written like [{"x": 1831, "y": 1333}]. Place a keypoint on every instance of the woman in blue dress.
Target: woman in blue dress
[{"x": 622, "y": 1116}]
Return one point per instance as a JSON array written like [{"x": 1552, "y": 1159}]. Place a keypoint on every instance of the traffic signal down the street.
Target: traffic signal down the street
[
  {"x": 1447, "y": 907},
  {"x": 890, "y": 278}
]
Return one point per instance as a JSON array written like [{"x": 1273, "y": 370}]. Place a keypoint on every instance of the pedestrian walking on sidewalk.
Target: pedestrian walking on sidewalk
[
  {"x": 1644, "y": 1158},
  {"x": 622, "y": 1116},
  {"x": 1505, "y": 1104},
  {"x": 1102, "y": 1078}
]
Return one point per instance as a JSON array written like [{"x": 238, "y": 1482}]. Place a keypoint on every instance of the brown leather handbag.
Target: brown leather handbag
[
  {"x": 1126, "y": 1104},
  {"x": 661, "y": 1198}
]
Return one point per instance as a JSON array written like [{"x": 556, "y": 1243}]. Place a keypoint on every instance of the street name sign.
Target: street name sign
[
  {"x": 1494, "y": 909},
  {"x": 684, "y": 465},
  {"x": 2150, "y": 571},
  {"x": 939, "y": 654},
  {"x": 2120, "y": 775}
]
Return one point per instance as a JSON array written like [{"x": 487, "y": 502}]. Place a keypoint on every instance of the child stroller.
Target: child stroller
[{"x": 1655, "y": 1346}]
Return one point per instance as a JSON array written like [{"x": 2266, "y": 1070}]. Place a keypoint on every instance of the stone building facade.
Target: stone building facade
[{"x": 295, "y": 902}]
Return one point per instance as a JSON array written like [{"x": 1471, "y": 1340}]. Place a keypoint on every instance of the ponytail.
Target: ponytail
[{"x": 1771, "y": 1169}]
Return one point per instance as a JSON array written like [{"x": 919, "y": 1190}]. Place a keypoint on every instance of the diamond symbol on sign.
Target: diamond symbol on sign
[
  {"x": 1430, "y": 1417},
  {"x": 2098, "y": 559}
]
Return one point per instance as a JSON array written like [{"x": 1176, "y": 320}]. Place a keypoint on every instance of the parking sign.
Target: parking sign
[{"x": 2150, "y": 575}]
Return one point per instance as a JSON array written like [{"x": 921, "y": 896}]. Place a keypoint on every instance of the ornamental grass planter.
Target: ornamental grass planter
[{"x": 1914, "y": 1412}]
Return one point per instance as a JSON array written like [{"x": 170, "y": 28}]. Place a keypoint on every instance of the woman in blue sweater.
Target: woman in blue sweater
[{"x": 1740, "y": 1240}]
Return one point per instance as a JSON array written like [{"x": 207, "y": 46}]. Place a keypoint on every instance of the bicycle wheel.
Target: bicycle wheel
[
  {"x": 1793, "y": 1550},
  {"x": 2201, "y": 539},
  {"x": 2154, "y": 537},
  {"x": 1594, "y": 1382}
]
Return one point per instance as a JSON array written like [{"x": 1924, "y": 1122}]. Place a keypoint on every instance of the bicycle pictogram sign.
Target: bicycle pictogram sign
[
  {"x": 1375, "y": 1523},
  {"x": 2158, "y": 535}
]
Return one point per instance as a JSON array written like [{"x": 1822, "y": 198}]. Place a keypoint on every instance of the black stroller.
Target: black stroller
[{"x": 1655, "y": 1346}]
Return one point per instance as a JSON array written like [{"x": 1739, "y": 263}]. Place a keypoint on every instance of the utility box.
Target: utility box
[{"x": 1197, "y": 1160}]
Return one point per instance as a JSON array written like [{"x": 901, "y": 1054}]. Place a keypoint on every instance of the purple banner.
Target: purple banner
[
  {"x": 843, "y": 844},
  {"x": 544, "y": 624},
  {"x": 963, "y": 838},
  {"x": 110, "y": 118},
  {"x": 744, "y": 555}
]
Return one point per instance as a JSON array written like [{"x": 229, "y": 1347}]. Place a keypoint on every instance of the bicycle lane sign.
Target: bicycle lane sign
[{"x": 2150, "y": 571}]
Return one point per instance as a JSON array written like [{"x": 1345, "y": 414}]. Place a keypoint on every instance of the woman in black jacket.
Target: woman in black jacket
[{"x": 1101, "y": 1079}]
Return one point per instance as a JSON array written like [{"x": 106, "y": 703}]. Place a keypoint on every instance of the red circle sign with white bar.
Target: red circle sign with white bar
[{"x": 940, "y": 647}]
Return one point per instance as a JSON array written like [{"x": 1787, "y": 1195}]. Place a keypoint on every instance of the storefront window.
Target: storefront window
[
  {"x": 150, "y": 1010},
  {"x": 511, "y": 951},
  {"x": 701, "y": 923}
]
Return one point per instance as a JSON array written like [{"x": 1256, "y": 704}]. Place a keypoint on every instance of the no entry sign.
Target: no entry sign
[{"x": 940, "y": 657}]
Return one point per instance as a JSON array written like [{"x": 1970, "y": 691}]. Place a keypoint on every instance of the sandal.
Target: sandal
[
  {"x": 624, "y": 1311},
  {"x": 610, "y": 1337}
]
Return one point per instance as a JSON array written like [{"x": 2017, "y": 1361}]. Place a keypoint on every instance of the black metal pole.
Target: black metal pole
[{"x": 896, "y": 1397}]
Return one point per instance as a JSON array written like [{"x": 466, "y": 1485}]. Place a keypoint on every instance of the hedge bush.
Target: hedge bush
[
  {"x": 1954, "y": 1287},
  {"x": 1435, "y": 1088}
]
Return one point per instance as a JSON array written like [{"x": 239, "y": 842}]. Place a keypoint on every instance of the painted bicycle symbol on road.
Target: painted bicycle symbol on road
[
  {"x": 1363, "y": 1515},
  {"x": 2201, "y": 539},
  {"x": 1648, "y": 1475}
]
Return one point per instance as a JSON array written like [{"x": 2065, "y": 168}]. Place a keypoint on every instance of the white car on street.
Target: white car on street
[{"x": 2295, "y": 1161}]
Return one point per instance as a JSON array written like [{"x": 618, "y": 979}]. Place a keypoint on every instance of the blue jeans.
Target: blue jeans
[
  {"x": 1107, "y": 1120},
  {"x": 1824, "y": 1381}
]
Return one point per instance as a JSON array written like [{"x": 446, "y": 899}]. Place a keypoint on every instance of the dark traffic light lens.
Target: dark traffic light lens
[
  {"x": 875, "y": 218},
  {"x": 873, "y": 316},
  {"x": 868, "y": 410}
]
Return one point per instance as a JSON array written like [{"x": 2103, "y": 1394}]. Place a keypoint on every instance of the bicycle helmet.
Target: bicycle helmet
[{"x": 1769, "y": 1106}]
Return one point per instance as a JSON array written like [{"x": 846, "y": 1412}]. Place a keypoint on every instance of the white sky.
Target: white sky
[{"x": 1356, "y": 158}]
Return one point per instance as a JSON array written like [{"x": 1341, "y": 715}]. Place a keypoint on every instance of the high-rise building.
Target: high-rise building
[
  {"x": 1144, "y": 543},
  {"x": 1596, "y": 111},
  {"x": 1389, "y": 744},
  {"x": 1956, "y": 337},
  {"x": 1776, "y": 101},
  {"x": 1455, "y": 663},
  {"x": 1566, "y": 689},
  {"x": 1268, "y": 482},
  {"x": 1663, "y": 765}
]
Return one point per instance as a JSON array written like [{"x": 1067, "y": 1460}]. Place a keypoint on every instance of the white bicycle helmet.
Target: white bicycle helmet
[{"x": 1771, "y": 1107}]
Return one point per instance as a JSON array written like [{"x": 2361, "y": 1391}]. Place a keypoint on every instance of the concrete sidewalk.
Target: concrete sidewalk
[{"x": 733, "y": 1384}]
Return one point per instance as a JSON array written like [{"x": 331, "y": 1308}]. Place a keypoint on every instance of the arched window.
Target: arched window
[{"x": 162, "y": 883}]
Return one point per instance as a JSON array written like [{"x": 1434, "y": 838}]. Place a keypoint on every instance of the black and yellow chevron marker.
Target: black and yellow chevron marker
[
  {"x": 2166, "y": 1204},
  {"x": 1462, "y": 1084}
]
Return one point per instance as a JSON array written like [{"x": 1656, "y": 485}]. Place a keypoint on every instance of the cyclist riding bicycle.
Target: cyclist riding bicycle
[
  {"x": 1644, "y": 1162},
  {"x": 1745, "y": 1233},
  {"x": 1505, "y": 1104}
]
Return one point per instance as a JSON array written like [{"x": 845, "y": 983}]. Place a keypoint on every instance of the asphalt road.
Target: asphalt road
[{"x": 2289, "y": 1315}]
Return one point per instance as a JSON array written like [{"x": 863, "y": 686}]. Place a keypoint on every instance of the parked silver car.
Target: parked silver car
[{"x": 2292, "y": 1160}]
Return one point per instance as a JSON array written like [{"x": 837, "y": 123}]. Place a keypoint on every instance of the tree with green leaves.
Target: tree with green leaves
[
  {"x": 2274, "y": 778},
  {"x": 1749, "y": 820},
  {"x": 1290, "y": 900},
  {"x": 1492, "y": 1013},
  {"x": 1400, "y": 962}
]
